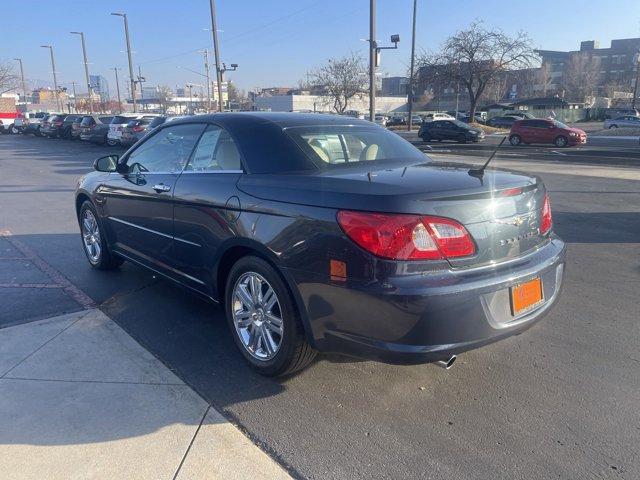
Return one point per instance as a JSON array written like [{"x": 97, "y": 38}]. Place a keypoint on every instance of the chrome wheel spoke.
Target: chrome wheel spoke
[
  {"x": 255, "y": 286},
  {"x": 244, "y": 319},
  {"x": 269, "y": 299},
  {"x": 267, "y": 340},
  {"x": 244, "y": 296},
  {"x": 274, "y": 324}
]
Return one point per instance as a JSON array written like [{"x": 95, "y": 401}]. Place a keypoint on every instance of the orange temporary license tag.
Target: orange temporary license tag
[{"x": 526, "y": 295}]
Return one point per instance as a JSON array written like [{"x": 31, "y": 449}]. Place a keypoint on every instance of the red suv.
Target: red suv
[{"x": 545, "y": 131}]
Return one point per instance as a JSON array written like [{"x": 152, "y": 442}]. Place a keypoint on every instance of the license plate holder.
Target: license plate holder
[{"x": 526, "y": 296}]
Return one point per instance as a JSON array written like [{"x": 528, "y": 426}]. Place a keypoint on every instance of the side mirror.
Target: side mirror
[{"x": 106, "y": 164}]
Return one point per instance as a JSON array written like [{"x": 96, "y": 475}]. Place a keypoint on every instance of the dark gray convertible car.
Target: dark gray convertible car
[{"x": 326, "y": 233}]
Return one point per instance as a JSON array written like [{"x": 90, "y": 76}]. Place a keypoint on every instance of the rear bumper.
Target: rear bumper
[{"x": 428, "y": 317}]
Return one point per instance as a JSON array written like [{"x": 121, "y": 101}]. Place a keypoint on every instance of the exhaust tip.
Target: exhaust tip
[{"x": 448, "y": 363}]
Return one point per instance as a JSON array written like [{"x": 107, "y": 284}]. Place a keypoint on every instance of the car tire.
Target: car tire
[
  {"x": 426, "y": 138},
  {"x": 111, "y": 142},
  {"x": 13, "y": 129},
  {"x": 99, "y": 256},
  {"x": 561, "y": 141},
  {"x": 515, "y": 140},
  {"x": 613, "y": 126},
  {"x": 38, "y": 132},
  {"x": 257, "y": 340},
  {"x": 462, "y": 139}
]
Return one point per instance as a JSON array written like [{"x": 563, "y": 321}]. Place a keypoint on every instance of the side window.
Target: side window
[
  {"x": 216, "y": 151},
  {"x": 166, "y": 151}
]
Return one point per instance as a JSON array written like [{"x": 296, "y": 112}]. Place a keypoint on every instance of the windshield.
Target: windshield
[
  {"x": 461, "y": 124},
  {"x": 335, "y": 145},
  {"x": 118, "y": 119},
  {"x": 87, "y": 121},
  {"x": 559, "y": 124}
]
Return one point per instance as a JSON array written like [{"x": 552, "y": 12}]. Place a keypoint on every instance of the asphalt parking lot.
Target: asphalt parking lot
[{"x": 559, "y": 401}]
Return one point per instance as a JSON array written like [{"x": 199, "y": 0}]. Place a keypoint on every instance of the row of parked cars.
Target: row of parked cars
[
  {"x": 110, "y": 129},
  {"x": 522, "y": 131}
]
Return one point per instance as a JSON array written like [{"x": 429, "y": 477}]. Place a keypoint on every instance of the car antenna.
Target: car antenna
[{"x": 479, "y": 172}]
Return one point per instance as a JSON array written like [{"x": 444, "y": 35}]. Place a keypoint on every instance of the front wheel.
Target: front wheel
[
  {"x": 426, "y": 138},
  {"x": 613, "y": 126},
  {"x": 561, "y": 141},
  {"x": 15, "y": 130},
  {"x": 93, "y": 240},
  {"x": 111, "y": 142},
  {"x": 264, "y": 320},
  {"x": 515, "y": 140}
]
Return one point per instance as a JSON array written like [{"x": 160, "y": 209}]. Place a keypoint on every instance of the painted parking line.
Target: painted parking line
[{"x": 59, "y": 280}]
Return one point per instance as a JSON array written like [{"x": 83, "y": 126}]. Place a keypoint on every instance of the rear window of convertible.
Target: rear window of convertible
[{"x": 333, "y": 145}]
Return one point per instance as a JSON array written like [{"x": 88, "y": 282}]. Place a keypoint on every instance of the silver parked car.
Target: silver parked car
[{"x": 624, "y": 121}]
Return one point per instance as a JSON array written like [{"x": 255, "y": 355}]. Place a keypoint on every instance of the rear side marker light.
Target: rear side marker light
[
  {"x": 407, "y": 237},
  {"x": 546, "y": 222}
]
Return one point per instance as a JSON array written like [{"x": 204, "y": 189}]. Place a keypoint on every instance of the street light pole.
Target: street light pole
[
  {"x": 635, "y": 87},
  {"x": 115, "y": 69},
  {"x": 206, "y": 69},
  {"x": 86, "y": 70},
  {"x": 373, "y": 53},
  {"x": 75, "y": 98},
  {"x": 216, "y": 53},
  {"x": 55, "y": 78},
  {"x": 413, "y": 57},
  {"x": 131, "y": 77},
  {"x": 24, "y": 88}
]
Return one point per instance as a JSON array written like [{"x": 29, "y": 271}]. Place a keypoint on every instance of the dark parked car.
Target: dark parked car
[
  {"x": 136, "y": 129},
  {"x": 545, "y": 131},
  {"x": 60, "y": 126},
  {"x": 75, "y": 130},
  {"x": 94, "y": 128},
  {"x": 449, "y": 130},
  {"x": 502, "y": 121},
  {"x": 326, "y": 233},
  {"x": 34, "y": 124},
  {"x": 46, "y": 125}
]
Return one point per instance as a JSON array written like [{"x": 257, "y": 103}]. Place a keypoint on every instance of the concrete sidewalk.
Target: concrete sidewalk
[{"x": 80, "y": 399}]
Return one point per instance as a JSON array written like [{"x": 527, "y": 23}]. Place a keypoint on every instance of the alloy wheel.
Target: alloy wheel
[
  {"x": 257, "y": 316},
  {"x": 91, "y": 236}
]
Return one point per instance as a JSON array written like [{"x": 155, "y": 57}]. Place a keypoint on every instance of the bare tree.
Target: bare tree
[
  {"x": 164, "y": 94},
  {"x": 580, "y": 76},
  {"x": 340, "y": 80},
  {"x": 477, "y": 57},
  {"x": 8, "y": 78}
]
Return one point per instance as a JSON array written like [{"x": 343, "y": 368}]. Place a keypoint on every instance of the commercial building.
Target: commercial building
[
  {"x": 100, "y": 87},
  {"x": 395, "y": 86},
  {"x": 317, "y": 103},
  {"x": 617, "y": 63}
]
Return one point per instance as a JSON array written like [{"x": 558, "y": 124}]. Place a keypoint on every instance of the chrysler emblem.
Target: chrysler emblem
[{"x": 516, "y": 220}]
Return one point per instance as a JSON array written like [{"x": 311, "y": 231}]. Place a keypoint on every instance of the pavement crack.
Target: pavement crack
[{"x": 195, "y": 434}]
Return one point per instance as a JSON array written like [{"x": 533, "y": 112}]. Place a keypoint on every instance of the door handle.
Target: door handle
[{"x": 161, "y": 187}]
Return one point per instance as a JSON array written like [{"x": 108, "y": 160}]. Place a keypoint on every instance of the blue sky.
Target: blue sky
[{"x": 277, "y": 41}]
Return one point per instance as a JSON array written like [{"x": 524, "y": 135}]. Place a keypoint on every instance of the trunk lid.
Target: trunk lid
[{"x": 501, "y": 211}]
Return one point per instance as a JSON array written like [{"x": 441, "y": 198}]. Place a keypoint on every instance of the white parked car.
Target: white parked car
[
  {"x": 624, "y": 121},
  {"x": 119, "y": 122},
  {"x": 381, "y": 120},
  {"x": 429, "y": 117}
]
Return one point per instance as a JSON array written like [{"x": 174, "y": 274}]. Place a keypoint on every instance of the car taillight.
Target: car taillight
[
  {"x": 407, "y": 237},
  {"x": 137, "y": 129},
  {"x": 547, "y": 221},
  {"x": 57, "y": 124}
]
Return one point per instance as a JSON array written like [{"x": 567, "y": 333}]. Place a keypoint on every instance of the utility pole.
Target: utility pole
[
  {"x": 86, "y": 70},
  {"x": 115, "y": 69},
  {"x": 216, "y": 53},
  {"x": 190, "y": 86},
  {"x": 206, "y": 69},
  {"x": 131, "y": 77},
  {"x": 55, "y": 78},
  {"x": 141, "y": 80},
  {"x": 635, "y": 87},
  {"x": 24, "y": 88},
  {"x": 75, "y": 98},
  {"x": 413, "y": 57},
  {"x": 373, "y": 53}
]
